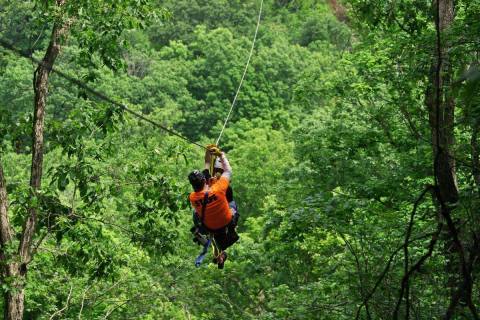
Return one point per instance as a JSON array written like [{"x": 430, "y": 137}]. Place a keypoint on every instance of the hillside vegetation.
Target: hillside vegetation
[{"x": 354, "y": 146}]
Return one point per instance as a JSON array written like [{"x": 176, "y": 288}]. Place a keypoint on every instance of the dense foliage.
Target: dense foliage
[{"x": 330, "y": 142}]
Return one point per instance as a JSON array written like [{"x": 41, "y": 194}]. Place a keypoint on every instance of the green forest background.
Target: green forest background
[{"x": 344, "y": 213}]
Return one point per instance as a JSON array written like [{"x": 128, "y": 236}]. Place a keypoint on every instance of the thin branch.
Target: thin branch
[
  {"x": 32, "y": 46},
  {"x": 83, "y": 301},
  {"x": 424, "y": 258},
  {"x": 125, "y": 301},
  {"x": 113, "y": 286},
  {"x": 386, "y": 269},
  {"x": 405, "y": 288},
  {"x": 359, "y": 269},
  {"x": 58, "y": 312}
]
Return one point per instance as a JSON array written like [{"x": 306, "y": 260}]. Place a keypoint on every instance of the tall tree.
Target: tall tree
[
  {"x": 437, "y": 23},
  {"x": 441, "y": 105},
  {"x": 74, "y": 18}
]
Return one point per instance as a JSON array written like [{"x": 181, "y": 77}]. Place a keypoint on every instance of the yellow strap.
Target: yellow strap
[
  {"x": 216, "y": 152},
  {"x": 212, "y": 165},
  {"x": 215, "y": 248}
]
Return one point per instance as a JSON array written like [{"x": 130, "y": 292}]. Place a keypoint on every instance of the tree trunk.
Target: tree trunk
[
  {"x": 13, "y": 307},
  {"x": 5, "y": 228},
  {"x": 441, "y": 107},
  {"x": 441, "y": 117},
  {"x": 15, "y": 296}
]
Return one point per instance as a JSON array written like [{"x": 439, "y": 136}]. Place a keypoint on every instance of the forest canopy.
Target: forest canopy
[{"x": 354, "y": 146}]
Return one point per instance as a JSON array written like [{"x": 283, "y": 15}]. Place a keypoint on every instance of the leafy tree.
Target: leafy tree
[{"x": 65, "y": 17}]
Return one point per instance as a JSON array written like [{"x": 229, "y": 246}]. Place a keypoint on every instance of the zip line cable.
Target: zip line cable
[
  {"x": 96, "y": 93},
  {"x": 244, "y": 73}
]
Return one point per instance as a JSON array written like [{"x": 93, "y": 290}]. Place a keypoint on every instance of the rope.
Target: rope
[
  {"x": 244, "y": 73},
  {"x": 96, "y": 93}
]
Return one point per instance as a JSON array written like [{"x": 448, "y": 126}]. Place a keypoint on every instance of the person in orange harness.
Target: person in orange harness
[{"x": 213, "y": 212}]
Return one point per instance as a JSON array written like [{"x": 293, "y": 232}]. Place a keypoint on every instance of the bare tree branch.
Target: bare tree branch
[
  {"x": 387, "y": 268},
  {"x": 405, "y": 289},
  {"x": 359, "y": 270},
  {"x": 58, "y": 312}
]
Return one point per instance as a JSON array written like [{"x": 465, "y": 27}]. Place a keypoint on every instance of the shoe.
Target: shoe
[{"x": 221, "y": 259}]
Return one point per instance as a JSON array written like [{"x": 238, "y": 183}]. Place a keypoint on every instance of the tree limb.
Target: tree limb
[
  {"x": 405, "y": 288},
  {"x": 40, "y": 85},
  {"x": 359, "y": 270},
  {"x": 6, "y": 232},
  {"x": 58, "y": 312},
  {"x": 387, "y": 268}
]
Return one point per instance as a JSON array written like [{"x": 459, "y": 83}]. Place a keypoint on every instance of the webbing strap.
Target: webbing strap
[
  {"x": 204, "y": 207},
  {"x": 212, "y": 165}
]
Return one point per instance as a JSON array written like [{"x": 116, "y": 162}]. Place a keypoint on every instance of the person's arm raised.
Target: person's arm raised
[{"x": 227, "y": 169}]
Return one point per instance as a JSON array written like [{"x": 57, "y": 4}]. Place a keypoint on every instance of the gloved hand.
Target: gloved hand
[{"x": 213, "y": 149}]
